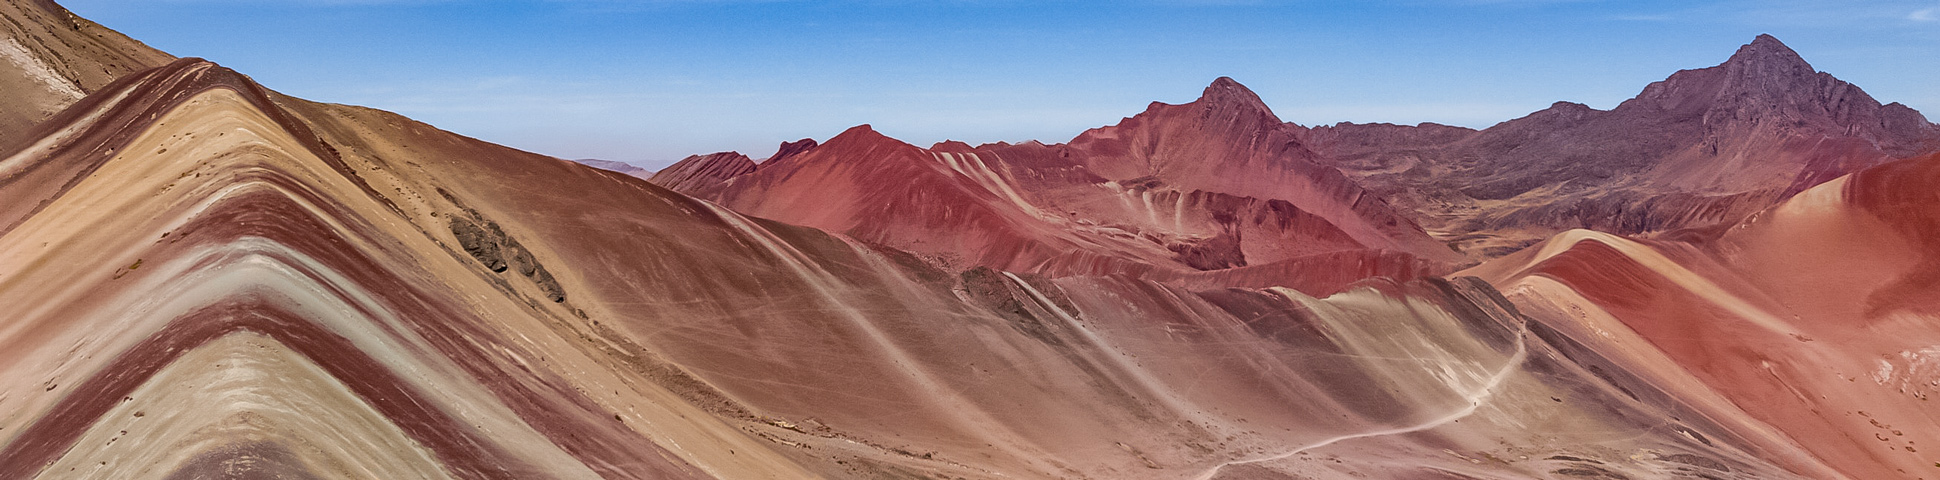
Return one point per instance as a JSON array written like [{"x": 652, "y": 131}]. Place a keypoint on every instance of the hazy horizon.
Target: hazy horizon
[{"x": 651, "y": 81}]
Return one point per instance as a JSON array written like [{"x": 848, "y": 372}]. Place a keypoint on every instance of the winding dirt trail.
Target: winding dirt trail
[{"x": 1476, "y": 398}]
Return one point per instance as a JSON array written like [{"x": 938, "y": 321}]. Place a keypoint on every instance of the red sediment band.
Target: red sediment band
[
  {"x": 149, "y": 96},
  {"x": 549, "y": 404},
  {"x": 460, "y": 449},
  {"x": 1906, "y": 195},
  {"x": 1604, "y": 275}
]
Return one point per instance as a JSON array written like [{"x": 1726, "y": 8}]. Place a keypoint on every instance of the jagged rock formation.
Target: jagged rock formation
[
  {"x": 486, "y": 242},
  {"x": 790, "y": 149}
]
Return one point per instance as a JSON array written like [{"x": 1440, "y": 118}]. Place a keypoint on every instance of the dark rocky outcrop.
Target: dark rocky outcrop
[
  {"x": 791, "y": 149},
  {"x": 481, "y": 242},
  {"x": 486, "y": 242}
]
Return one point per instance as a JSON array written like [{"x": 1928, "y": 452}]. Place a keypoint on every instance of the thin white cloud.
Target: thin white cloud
[
  {"x": 1925, "y": 15},
  {"x": 1826, "y": 13}
]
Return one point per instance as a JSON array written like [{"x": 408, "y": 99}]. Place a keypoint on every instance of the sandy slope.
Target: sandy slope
[
  {"x": 282, "y": 256},
  {"x": 50, "y": 58},
  {"x": 206, "y": 277},
  {"x": 1815, "y": 317}
]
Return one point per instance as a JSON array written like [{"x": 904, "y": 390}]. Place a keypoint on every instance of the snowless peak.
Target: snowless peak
[
  {"x": 1767, "y": 53},
  {"x": 790, "y": 149},
  {"x": 1225, "y": 91}
]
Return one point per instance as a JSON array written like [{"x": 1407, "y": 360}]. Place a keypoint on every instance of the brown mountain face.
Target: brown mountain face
[
  {"x": 50, "y": 58},
  {"x": 1229, "y": 142},
  {"x": 203, "y": 278},
  {"x": 701, "y": 175},
  {"x": 1217, "y": 191},
  {"x": 790, "y": 149},
  {"x": 1703, "y": 147},
  {"x": 699, "y": 172}
]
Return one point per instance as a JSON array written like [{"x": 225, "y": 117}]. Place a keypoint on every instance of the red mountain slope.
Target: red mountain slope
[
  {"x": 1816, "y": 317},
  {"x": 266, "y": 286},
  {"x": 206, "y": 278},
  {"x": 699, "y": 172},
  {"x": 50, "y": 58},
  {"x": 1705, "y": 147},
  {"x": 1098, "y": 205}
]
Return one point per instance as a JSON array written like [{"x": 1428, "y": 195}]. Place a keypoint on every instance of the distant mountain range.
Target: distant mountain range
[
  {"x": 1731, "y": 276},
  {"x": 622, "y": 167},
  {"x": 1702, "y": 149}
]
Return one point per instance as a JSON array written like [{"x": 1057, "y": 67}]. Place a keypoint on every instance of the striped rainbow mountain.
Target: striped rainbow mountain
[{"x": 1735, "y": 275}]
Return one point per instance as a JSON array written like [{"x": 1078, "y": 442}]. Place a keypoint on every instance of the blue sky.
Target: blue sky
[{"x": 651, "y": 81}]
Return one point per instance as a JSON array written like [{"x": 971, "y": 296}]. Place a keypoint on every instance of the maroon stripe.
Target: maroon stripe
[
  {"x": 459, "y": 448},
  {"x": 548, "y": 403}
]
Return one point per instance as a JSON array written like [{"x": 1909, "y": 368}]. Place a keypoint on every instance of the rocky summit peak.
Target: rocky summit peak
[
  {"x": 859, "y": 133},
  {"x": 857, "y": 137},
  {"x": 790, "y": 149},
  {"x": 1766, "y": 53},
  {"x": 951, "y": 146},
  {"x": 1755, "y": 82},
  {"x": 1226, "y": 92}
]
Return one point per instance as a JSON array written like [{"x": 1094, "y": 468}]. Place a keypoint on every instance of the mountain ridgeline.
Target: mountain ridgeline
[
  {"x": 208, "y": 279},
  {"x": 1703, "y": 148}
]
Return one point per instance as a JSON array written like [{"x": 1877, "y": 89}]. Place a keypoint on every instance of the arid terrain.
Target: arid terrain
[{"x": 1733, "y": 275}]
